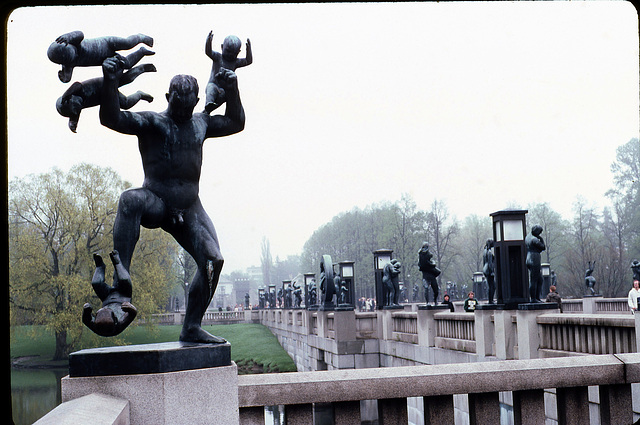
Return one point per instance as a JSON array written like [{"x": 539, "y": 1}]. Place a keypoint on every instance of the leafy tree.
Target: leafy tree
[
  {"x": 583, "y": 245},
  {"x": 469, "y": 243},
  {"x": 626, "y": 194},
  {"x": 56, "y": 222},
  {"x": 442, "y": 233}
]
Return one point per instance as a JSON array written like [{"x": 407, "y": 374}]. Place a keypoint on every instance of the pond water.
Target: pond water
[{"x": 34, "y": 392}]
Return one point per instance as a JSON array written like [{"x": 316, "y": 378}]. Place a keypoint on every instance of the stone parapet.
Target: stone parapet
[{"x": 190, "y": 396}]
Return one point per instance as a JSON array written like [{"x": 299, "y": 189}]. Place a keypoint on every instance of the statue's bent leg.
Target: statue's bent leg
[
  {"x": 98, "y": 282},
  {"x": 201, "y": 292},
  {"x": 198, "y": 237},
  {"x": 434, "y": 286}
]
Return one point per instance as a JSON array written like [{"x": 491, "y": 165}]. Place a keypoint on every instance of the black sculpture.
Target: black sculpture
[
  {"x": 313, "y": 293},
  {"x": 635, "y": 268},
  {"x": 88, "y": 93},
  {"x": 72, "y": 49},
  {"x": 272, "y": 298},
  {"x": 327, "y": 285},
  {"x": 430, "y": 272},
  {"x": 261, "y": 299},
  {"x": 170, "y": 144},
  {"x": 246, "y": 300},
  {"x": 391, "y": 282},
  {"x": 280, "y": 298},
  {"x": 535, "y": 245},
  {"x": 344, "y": 293},
  {"x": 297, "y": 294},
  {"x": 589, "y": 280},
  {"x": 416, "y": 292},
  {"x": 489, "y": 269},
  {"x": 117, "y": 312},
  {"x": 227, "y": 59}
]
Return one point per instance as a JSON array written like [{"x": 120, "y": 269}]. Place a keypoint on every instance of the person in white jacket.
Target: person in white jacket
[{"x": 632, "y": 299}]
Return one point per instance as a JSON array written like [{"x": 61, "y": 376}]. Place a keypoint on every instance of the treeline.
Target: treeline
[{"x": 610, "y": 237}]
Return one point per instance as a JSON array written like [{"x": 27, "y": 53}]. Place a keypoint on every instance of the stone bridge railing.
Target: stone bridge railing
[
  {"x": 325, "y": 340},
  {"x": 477, "y": 385}
]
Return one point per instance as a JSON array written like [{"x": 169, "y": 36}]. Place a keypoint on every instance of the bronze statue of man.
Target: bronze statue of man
[
  {"x": 430, "y": 272},
  {"x": 170, "y": 144},
  {"x": 489, "y": 269},
  {"x": 535, "y": 245}
]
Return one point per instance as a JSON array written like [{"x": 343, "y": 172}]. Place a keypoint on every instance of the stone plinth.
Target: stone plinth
[
  {"x": 528, "y": 330},
  {"x": 148, "y": 358},
  {"x": 484, "y": 330},
  {"x": 186, "y": 397},
  {"x": 427, "y": 324},
  {"x": 504, "y": 331}
]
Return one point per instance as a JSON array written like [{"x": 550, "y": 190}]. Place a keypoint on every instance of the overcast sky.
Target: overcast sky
[{"x": 482, "y": 105}]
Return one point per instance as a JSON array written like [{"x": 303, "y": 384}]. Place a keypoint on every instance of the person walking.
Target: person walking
[{"x": 632, "y": 298}]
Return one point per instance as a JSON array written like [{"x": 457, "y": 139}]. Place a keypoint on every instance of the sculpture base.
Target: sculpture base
[
  {"x": 487, "y": 306},
  {"x": 346, "y": 307},
  {"x": 199, "y": 396},
  {"x": 327, "y": 307},
  {"x": 592, "y": 295},
  {"x": 148, "y": 358},
  {"x": 433, "y": 307},
  {"x": 393, "y": 307},
  {"x": 538, "y": 306}
]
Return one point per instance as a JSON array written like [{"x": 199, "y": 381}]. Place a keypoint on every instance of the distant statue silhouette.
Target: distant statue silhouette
[{"x": 589, "y": 280}]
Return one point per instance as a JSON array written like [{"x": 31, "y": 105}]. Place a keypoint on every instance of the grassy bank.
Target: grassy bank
[{"x": 253, "y": 347}]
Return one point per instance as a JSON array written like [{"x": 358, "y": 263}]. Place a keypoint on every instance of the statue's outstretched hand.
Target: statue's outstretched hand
[
  {"x": 113, "y": 67},
  {"x": 227, "y": 79}
]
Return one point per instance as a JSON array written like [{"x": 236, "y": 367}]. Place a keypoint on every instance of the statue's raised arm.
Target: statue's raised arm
[
  {"x": 233, "y": 120},
  {"x": 111, "y": 115}
]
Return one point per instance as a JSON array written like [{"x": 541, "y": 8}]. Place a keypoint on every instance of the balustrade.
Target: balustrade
[{"x": 299, "y": 392}]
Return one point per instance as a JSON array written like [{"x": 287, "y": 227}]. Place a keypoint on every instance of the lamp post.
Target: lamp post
[
  {"x": 347, "y": 274},
  {"x": 545, "y": 269},
  {"x": 272, "y": 296},
  {"x": 261, "y": 297},
  {"x": 380, "y": 258},
  {"x": 477, "y": 285},
  {"x": 510, "y": 252}
]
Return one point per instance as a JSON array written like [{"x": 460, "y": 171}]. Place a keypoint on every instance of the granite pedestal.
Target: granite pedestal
[
  {"x": 164, "y": 383},
  {"x": 148, "y": 358}
]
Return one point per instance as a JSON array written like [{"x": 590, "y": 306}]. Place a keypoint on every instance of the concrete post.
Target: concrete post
[
  {"x": 589, "y": 304},
  {"x": 167, "y": 398},
  {"x": 385, "y": 324},
  {"x": 528, "y": 333},
  {"x": 427, "y": 325},
  {"x": 505, "y": 334},
  {"x": 484, "y": 331},
  {"x": 344, "y": 324},
  {"x": 637, "y": 319},
  {"x": 322, "y": 323}
]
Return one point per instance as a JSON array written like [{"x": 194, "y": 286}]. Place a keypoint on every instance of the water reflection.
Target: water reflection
[{"x": 34, "y": 392}]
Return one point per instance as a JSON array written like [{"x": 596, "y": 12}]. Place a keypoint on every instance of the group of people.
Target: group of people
[{"x": 366, "y": 304}]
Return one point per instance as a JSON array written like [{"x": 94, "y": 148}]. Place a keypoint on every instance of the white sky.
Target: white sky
[{"x": 481, "y": 105}]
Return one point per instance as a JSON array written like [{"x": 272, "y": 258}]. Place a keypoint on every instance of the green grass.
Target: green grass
[{"x": 253, "y": 347}]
